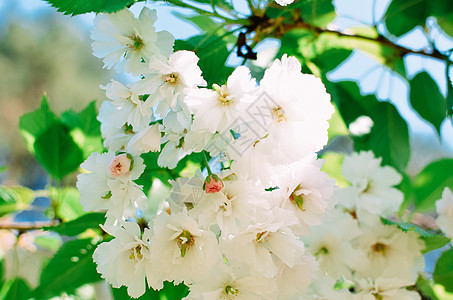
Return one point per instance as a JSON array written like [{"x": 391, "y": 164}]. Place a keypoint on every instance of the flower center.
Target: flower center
[
  {"x": 279, "y": 114},
  {"x": 128, "y": 129},
  {"x": 322, "y": 251},
  {"x": 136, "y": 253},
  {"x": 171, "y": 78},
  {"x": 379, "y": 248},
  {"x": 185, "y": 241},
  {"x": 377, "y": 296},
  {"x": 224, "y": 97},
  {"x": 107, "y": 196},
  {"x": 135, "y": 42},
  {"x": 261, "y": 236},
  {"x": 120, "y": 165},
  {"x": 129, "y": 99},
  {"x": 298, "y": 200},
  {"x": 231, "y": 290}
]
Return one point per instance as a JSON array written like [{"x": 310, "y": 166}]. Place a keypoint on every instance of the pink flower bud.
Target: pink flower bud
[
  {"x": 120, "y": 165},
  {"x": 214, "y": 184}
]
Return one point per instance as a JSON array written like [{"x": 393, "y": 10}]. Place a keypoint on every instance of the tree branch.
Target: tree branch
[
  {"x": 277, "y": 29},
  {"x": 24, "y": 226},
  {"x": 380, "y": 39}
]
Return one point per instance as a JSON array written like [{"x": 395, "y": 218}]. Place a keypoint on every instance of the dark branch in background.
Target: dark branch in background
[
  {"x": 380, "y": 39},
  {"x": 242, "y": 43},
  {"x": 25, "y": 226},
  {"x": 264, "y": 26}
]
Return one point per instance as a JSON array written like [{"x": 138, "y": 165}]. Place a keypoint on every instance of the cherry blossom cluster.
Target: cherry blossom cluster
[
  {"x": 355, "y": 250},
  {"x": 230, "y": 234}
]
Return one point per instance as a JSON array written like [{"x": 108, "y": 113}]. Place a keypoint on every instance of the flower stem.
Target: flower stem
[{"x": 205, "y": 159}]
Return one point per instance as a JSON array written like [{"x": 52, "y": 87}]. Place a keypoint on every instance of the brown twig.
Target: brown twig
[
  {"x": 24, "y": 226},
  {"x": 277, "y": 28}
]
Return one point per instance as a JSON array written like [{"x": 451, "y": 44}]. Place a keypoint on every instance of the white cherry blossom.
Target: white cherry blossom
[{"x": 123, "y": 41}]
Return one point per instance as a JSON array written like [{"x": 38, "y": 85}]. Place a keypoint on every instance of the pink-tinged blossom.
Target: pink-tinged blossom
[
  {"x": 213, "y": 184},
  {"x": 108, "y": 184},
  {"x": 120, "y": 165}
]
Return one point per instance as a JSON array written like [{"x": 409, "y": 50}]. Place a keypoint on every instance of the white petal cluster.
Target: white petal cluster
[
  {"x": 181, "y": 250},
  {"x": 372, "y": 190},
  {"x": 108, "y": 184},
  {"x": 264, "y": 224},
  {"x": 132, "y": 109},
  {"x": 227, "y": 283},
  {"x": 124, "y": 41},
  {"x": 286, "y": 122},
  {"x": 168, "y": 80},
  {"x": 122, "y": 261},
  {"x": 369, "y": 259}
]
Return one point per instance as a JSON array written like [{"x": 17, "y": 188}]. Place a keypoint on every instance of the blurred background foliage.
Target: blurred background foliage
[{"x": 46, "y": 53}]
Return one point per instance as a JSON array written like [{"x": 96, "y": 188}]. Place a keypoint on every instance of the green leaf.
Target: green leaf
[
  {"x": 70, "y": 268},
  {"x": 404, "y": 15},
  {"x": 432, "y": 240},
  {"x": 85, "y": 129},
  {"x": 51, "y": 242},
  {"x": 446, "y": 23},
  {"x": 427, "y": 100},
  {"x": 331, "y": 58},
  {"x": 207, "y": 25},
  {"x": 337, "y": 125},
  {"x": 185, "y": 167},
  {"x": 443, "y": 11},
  {"x": 316, "y": 12},
  {"x": 168, "y": 292},
  {"x": 2, "y": 270},
  {"x": 3, "y": 169},
  {"x": 349, "y": 101},
  {"x": 69, "y": 207},
  {"x": 15, "y": 288},
  {"x": 152, "y": 170},
  {"x": 389, "y": 136},
  {"x": 426, "y": 287},
  {"x": 443, "y": 273},
  {"x": 14, "y": 198},
  {"x": 430, "y": 183},
  {"x": 79, "y": 225},
  {"x": 408, "y": 190},
  {"x": 280, "y": 12},
  {"x": 33, "y": 124},
  {"x": 311, "y": 45},
  {"x": 57, "y": 152},
  {"x": 171, "y": 291},
  {"x": 449, "y": 98},
  {"x": 396, "y": 63},
  {"x": 332, "y": 166},
  {"x": 76, "y": 7},
  {"x": 121, "y": 294}
]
